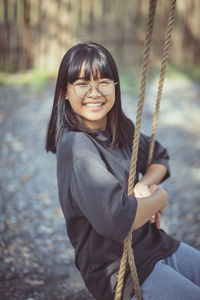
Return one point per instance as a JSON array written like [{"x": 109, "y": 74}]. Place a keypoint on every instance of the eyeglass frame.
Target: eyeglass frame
[{"x": 90, "y": 90}]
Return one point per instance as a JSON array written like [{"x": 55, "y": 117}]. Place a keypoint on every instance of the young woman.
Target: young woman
[{"x": 92, "y": 139}]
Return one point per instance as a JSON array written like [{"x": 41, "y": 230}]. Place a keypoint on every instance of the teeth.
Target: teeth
[{"x": 93, "y": 104}]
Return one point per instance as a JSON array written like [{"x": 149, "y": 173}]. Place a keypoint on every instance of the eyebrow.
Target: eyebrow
[{"x": 83, "y": 78}]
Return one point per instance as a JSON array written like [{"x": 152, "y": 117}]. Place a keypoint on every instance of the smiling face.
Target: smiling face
[{"x": 94, "y": 107}]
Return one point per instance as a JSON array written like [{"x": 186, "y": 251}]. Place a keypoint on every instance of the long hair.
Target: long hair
[{"x": 97, "y": 60}]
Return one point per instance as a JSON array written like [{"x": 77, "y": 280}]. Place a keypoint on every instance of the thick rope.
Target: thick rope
[
  {"x": 162, "y": 76},
  {"x": 127, "y": 251}
]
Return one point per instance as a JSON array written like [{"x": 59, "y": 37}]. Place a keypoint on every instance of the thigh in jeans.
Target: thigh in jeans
[
  {"x": 186, "y": 261},
  {"x": 165, "y": 283}
]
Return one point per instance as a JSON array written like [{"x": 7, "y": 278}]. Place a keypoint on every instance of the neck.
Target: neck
[{"x": 94, "y": 125}]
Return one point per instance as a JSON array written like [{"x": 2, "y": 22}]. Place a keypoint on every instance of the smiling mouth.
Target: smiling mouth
[{"x": 94, "y": 104}]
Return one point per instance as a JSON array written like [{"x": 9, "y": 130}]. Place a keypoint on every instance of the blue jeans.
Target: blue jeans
[{"x": 174, "y": 278}]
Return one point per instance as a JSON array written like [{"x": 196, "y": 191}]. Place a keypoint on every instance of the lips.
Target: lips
[{"x": 94, "y": 106}]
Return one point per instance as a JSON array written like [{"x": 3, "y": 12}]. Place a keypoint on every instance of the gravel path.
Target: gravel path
[{"x": 36, "y": 258}]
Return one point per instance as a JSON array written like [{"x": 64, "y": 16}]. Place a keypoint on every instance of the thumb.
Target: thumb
[{"x": 153, "y": 188}]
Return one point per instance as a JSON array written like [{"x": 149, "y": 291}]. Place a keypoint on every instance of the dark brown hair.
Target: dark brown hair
[{"x": 97, "y": 59}]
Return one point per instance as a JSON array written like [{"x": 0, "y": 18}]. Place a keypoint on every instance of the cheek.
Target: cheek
[{"x": 74, "y": 104}]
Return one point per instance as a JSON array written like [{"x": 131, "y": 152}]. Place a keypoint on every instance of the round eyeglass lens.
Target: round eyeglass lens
[
  {"x": 106, "y": 89},
  {"x": 82, "y": 90}
]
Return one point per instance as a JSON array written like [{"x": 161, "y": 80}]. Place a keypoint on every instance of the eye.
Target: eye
[
  {"x": 81, "y": 84},
  {"x": 105, "y": 82}
]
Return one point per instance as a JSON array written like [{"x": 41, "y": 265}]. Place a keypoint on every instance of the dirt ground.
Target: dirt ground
[{"x": 36, "y": 258}]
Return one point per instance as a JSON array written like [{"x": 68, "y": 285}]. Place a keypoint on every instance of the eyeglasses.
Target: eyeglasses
[{"x": 83, "y": 89}]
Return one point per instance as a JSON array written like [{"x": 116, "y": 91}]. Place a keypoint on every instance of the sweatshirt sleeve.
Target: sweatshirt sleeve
[
  {"x": 160, "y": 155},
  {"x": 101, "y": 198}
]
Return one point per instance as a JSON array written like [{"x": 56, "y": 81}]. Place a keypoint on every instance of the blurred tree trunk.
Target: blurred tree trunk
[
  {"x": 104, "y": 11},
  {"x": 39, "y": 30},
  {"x": 69, "y": 6},
  {"x": 136, "y": 21},
  {"x": 26, "y": 36},
  {"x": 80, "y": 14},
  {"x": 6, "y": 38},
  {"x": 15, "y": 41},
  {"x": 91, "y": 24},
  {"x": 122, "y": 29},
  {"x": 190, "y": 42}
]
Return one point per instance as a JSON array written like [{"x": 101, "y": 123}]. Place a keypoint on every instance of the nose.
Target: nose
[{"x": 93, "y": 93}]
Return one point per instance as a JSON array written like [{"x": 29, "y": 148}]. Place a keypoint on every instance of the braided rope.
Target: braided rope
[
  {"x": 131, "y": 261},
  {"x": 162, "y": 76},
  {"x": 127, "y": 250}
]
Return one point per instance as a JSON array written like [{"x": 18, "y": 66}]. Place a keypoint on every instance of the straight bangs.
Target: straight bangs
[{"x": 96, "y": 65}]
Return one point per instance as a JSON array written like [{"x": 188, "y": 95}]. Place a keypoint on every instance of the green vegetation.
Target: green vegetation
[
  {"x": 36, "y": 78},
  {"x": 130, "y": 76},
  {"x": 187, "y": 72},
  {"x": 129, "y": 80}
]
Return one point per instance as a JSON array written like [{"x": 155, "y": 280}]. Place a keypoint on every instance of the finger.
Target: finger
[
  {"x": 158, "y": 220},
  {"x": 153, "y": 219},
  {"x": 153, "y": 188},
  {"x": 141, "y": 191}
]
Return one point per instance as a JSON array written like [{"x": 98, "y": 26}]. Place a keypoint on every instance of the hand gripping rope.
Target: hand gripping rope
[{"x": 127, "y": 249}]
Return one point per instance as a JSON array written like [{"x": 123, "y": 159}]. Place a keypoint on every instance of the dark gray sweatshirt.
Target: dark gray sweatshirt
[{"x": 92, "y": 187}]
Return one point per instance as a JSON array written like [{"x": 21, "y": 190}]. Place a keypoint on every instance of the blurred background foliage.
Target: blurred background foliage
[{"x": 35, "y": 34}]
